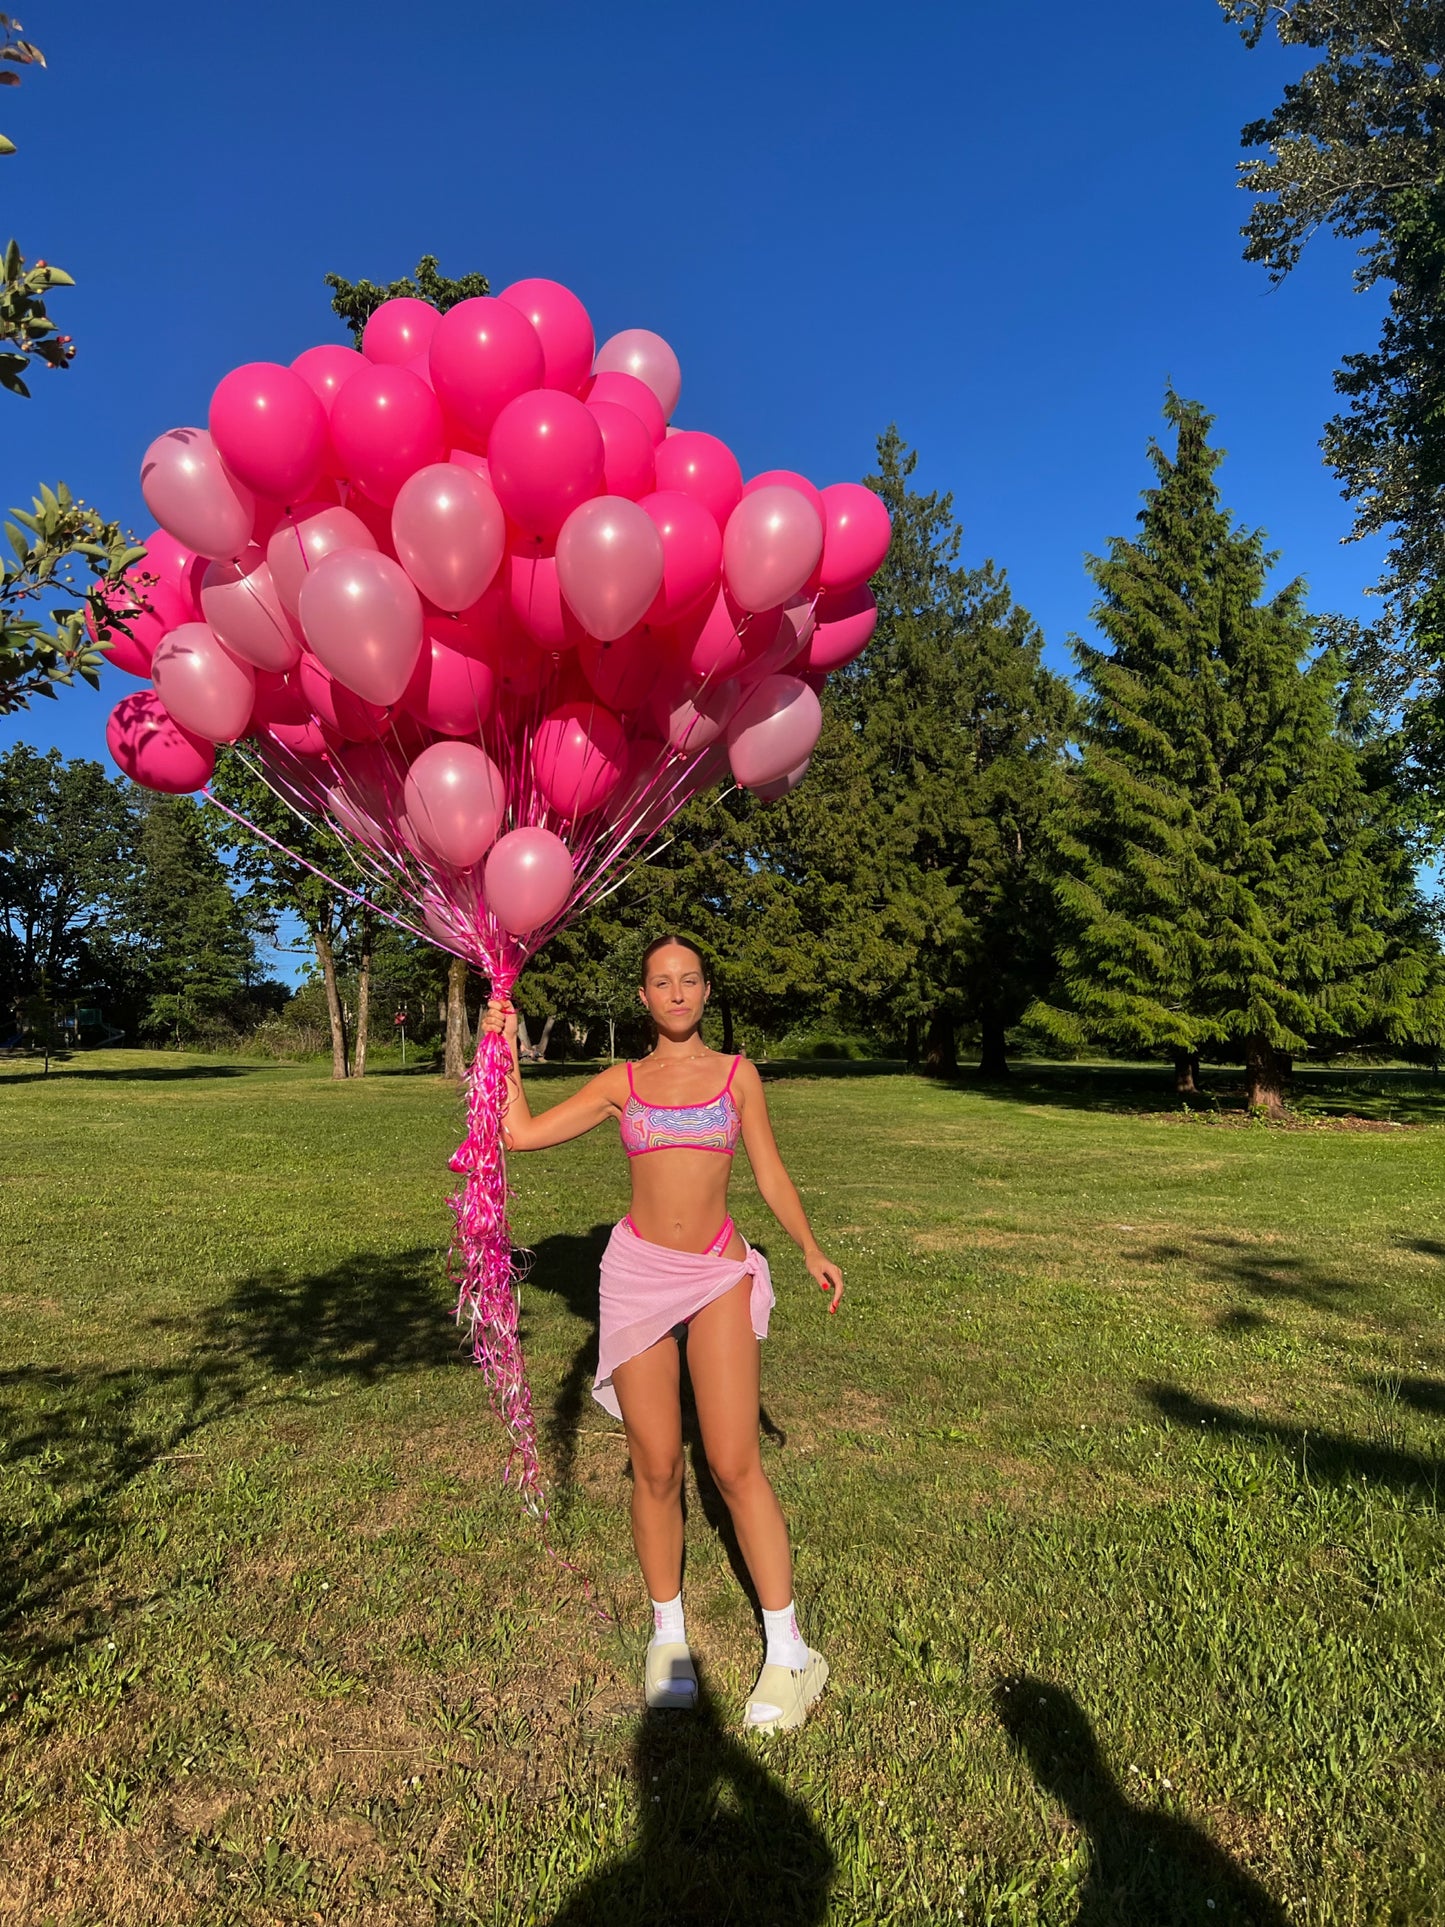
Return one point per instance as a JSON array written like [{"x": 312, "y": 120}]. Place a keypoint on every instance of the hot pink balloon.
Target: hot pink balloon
[
  {"x": 279, "y": 699},
  {"x": 452, "y": 690},
  {"x": 202, "y": 685},
  {"x": 362, "y": 616},
  {"x": 484, "y": 354},
  {"x": 239, "y": 601},
  {"x": 691, "y": 553},
  {"x": 563, "y": 327},
  {"x": 303, "y": 740},
  {"x": 624, "y": 673},
  {"x": 845, "y": 624},
  {"x": 609, "y": 565},
  {"x": 372, "y": 776},
  {"x": 152, "y": 749},
  {"x": 647, "y": 357},
  {"x": 188, "y": 491},
  {"x": 719, "y": 638},
  {"x": 399, "y": 330},
  {"x": 546, "y": 456},
  {"x": 703, "y": 467},
  {"x": 171, "y": 561},
  {"x": 386, "y": 424},
  {"x": 455, "y": 797},
  {"x": 326, "y": 370},
  {"x": 478, "y": 464},
  {"x": 303, "y": 539},
  {"x": 628, "y": 466},
  {"x": 774, "y": 730},
  {"x": 630, "y": 393},
  {"x": 579, "y": 756},
  {"x": 856, "y": 534},
  {"x": 536, "y": 599},
  {"x": 528, "y": 879},
  {"x": 449, "y": 532},
  {"x": 771, "y": 546},
  {"x": 150, "y": 607},
  {"x": 270, "y": 429},
  {"x": 348, "y": 716}
]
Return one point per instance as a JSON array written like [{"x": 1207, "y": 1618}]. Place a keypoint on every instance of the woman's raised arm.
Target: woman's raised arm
[{"x": 598, "y": 1099}]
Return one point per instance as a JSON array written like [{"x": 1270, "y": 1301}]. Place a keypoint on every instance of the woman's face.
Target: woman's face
[{"x": 675, "y": 992}]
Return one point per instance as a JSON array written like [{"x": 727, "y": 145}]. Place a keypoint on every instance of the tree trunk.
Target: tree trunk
[
  {"x": 1267, "y": 1070},
  {"x": 992, "y": 1049},
  {"x": 940, "y": 1054},
  {"x": 1186, "y": 1072},
  {"x": 458, "y": 1037},
  {"x": 725, "y": 1011},
  {"x": 326, "y": 956},
  {"x": 543, "y": 1039},
  {"x": 363, "y": 996}
]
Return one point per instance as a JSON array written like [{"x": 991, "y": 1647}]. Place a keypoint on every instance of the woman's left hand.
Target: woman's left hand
[{"x": 826, "y": 1273}]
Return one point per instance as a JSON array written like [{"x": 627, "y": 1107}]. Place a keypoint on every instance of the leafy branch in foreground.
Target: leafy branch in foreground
[
  {"x": 55, "y": 545},
  {"x": 24, "y": 323}
]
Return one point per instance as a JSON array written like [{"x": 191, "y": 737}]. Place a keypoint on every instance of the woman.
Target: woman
[{"x": 677, "y": 1259}]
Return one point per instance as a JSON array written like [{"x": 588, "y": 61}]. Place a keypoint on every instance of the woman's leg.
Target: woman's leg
[
  {"x": 647, "y": 1391},
  {"x": 722, "y": 1357}
]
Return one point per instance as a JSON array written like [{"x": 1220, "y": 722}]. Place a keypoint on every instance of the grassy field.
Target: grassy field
[{"x": 1115, "y": 1490}]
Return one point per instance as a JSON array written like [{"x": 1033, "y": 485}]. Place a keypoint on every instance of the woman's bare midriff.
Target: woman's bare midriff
[{"x": 680, "y": 1199}]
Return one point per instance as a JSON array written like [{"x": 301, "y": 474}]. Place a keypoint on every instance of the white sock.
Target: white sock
[
  {"x": 667, "y": 1622},
  {"x": 786, "y": 1646}
]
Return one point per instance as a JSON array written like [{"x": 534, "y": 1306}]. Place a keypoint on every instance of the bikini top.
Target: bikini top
[{"x": 713, "y": 1126}]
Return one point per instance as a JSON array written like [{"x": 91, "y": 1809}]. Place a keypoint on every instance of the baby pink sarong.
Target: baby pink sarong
[{"x": 647, "y": 1289}]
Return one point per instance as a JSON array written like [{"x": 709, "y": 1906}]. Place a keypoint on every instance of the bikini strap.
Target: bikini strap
[
  {"x": 631, "y": 1087},
  {"x": 732, "y": 1073}
]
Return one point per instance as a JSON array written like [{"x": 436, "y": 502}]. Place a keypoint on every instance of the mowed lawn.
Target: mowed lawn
[{"x": 1115, "y": 1489}]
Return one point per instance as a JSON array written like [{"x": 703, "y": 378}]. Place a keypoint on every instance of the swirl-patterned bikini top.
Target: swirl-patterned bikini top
[{"x": 714, "y": 1126}]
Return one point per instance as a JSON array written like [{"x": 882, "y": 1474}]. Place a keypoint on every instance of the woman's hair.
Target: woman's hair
[{"x": 673, "y": 937}]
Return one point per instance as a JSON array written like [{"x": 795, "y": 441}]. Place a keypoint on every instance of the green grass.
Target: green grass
[{"x": 1115, "y": 1491}]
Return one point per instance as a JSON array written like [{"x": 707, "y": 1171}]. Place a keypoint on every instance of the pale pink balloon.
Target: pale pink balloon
[
  {"x": 362, "y": 617},
  {"x": 774, "y": 730},
  {"x": 528, "y": 879},
  {"x": 239, "y": 601},
  {"x": 856, "y": 534},
  {"x": 484, "y": 354},
  {"x": 386, "y": 424},
  {"x": 790, "y": 478},
  {"x": 609, "y": 565},
  {"x": 150, "y": 609},
  {"x": 304, "y": 538},
  {"x": 624, "y": 673},
  {"x": 270, "y": 429},
  {"x": 449, "y": 533},
  {"x": 845, "y": 624},
  {"x": 579, "y": 756},
  {"x": 563, "y": 327},
  {"x": 452, "y": 690},
  {"x": 202, "y": 685},
  {"x": 703, "y": 467},
  {"x": 455, "y": 798},
  {"x": 171, "y": 561},
  {"x": 691, "y": 554},
  {"x": 771, "y": 546},
  {"x": 150, "y": 747},
  {"x": 794, "y": 631},
  {"x": 188, "y": 491},
  {"x": 782, "y": 785},
  {"x": 630, "y": 393},
  {"x": 333, "y": 704},
  {"x": 327, "y": 369},
  {"x": 695, "y": 722},
  {"x": 628, "y": 465},
  {"x": 546, "y": 456},
  {"x": 648, "y": 358},
  {"x": 719, "y": 638},
  {"x": 399, "y": 330},
  {"x": 536, "y": 599}
]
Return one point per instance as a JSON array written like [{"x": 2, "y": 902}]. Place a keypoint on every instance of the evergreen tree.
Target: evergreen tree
[{"x": 197, "y": 938}]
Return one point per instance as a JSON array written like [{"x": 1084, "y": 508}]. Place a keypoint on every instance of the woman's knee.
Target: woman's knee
[
  {"x": 736, "y": 1473},
  {"x": 660, "y": 1479}
]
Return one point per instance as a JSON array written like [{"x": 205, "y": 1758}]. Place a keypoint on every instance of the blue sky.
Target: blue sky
[{"x": 1004, "y": 228}]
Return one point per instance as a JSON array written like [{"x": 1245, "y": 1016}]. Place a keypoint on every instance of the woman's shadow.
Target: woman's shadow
[
  {"x": 1149, "y": 1869},
  {"x": 720, "y": 1840}
]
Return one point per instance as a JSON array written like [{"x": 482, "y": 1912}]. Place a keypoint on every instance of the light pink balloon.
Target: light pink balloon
[
  {"x": 546, "y": 456},
  {"x": 528, "y": 879},
  {"x": 845, "y": 624},
  {"x": 152, "y": 749},
  {"x": 856, "y": 534},
  {"x": 239, "y": 601},
  {"x": 362, "y": 617},
  {"x": 303, "y": 539},
  {"x": 202, "y": 685},
  {"x": 348, "y": 716},
  {"x": 386, "y": 424},
  {"x": 771, "y": 546},
  {"x": 188, "y": 491},
  {"x": 452, "y": 690},
  {"x": 536, "y": 599},
  {"x": 789, "y": 478},
  {"x": 455, "y": 797},
  {"x": 630, "y": 393},
  {"x": 782, "y": 785},
  {"x": 695, "y": 722},
  {"x": 719, "y": 638},
  {"x": 774, "y": 730},
  {"x": 628, "y": 466},
  {"x": 648, "y": 358},
  {"x": 399, "y": 330},
  {"x": 794, "y": 631},
  {"x": 150, "y": 607},
  {"x": 609, "y": 565},
  {"x": 579, "y": 756},
  {"x": 270, "y": 430},
  {"x": 703, "y": 467},
  {"x": 449, "y": 533},
  {"x": 563, "y": 327},
  {"x": 171, "y": 561},
  {"x": 691, "y": 554},
  {"x": 484, "y": 354},
  {"x": 625, "y": 673}
]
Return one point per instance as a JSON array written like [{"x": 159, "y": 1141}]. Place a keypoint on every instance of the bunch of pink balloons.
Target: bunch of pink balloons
[{"x": 466, "y": 596}]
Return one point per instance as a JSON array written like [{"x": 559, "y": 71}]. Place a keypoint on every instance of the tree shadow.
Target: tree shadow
[
  {"x": 719, "y": 1840},
  {"x": 1146, "y": 1867},
  {"x": 1424, "y": 1394},
  {"x": 1321, "y": 1455},
  {"x": 1262, "y": 1270},
  {"x": 146, "y": 1074}
]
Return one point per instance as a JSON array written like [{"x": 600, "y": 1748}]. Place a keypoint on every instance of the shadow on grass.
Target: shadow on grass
[
  {"x": 1262, "y": 1270},
  {"x": 1143, "y": 1866},
  {"x": 719, "y": 1838},
  {"x": 78, "y": 1441},
  {"x": 1321, "y": 1455},
  {"x": 146, "y": 1074}
]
